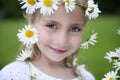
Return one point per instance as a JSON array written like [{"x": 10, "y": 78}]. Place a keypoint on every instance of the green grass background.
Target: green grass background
[{"x": 93, "y": 58}]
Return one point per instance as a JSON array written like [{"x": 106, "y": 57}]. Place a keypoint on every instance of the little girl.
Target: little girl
[{"x": 51, "y": 40}]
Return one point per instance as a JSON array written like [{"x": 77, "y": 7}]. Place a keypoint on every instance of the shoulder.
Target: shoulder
[
  {"x": 15, "y": 69},
  {"x": 2, "y": 76},
  {"x": 84, "y": 73},
  {"x": 17, "y": 65}
]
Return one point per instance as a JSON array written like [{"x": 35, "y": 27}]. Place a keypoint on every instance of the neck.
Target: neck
[
  {"x": 52, "y": 68},
  {"x": 42, "y": 60}
]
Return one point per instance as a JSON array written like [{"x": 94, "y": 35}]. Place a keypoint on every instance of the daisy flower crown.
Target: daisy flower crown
[{"x": 47, "y": 7}]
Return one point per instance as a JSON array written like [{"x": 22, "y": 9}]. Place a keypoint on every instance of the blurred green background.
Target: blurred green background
[{"x": 11, "y": 19}]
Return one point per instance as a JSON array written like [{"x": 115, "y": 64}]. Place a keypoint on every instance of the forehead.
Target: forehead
[
  {"x": 62, "y": 12},
  {"x": 60, "y": 15}
]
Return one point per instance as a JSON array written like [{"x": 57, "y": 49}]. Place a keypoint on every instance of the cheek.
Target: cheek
[
  {"x": 76, "y": 42},
  {"x": 43, "y": 37}
]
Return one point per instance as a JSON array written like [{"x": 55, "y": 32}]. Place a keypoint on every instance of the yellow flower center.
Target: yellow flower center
[
  {"x": 31, "y": 2},
  {"x": 29, "y": 33},
  {"x": 111, "y": 78},
  {"x": 48, "y": 2},
  {"x": 68, "y": 2},
  {"x": 35, "y": 74}
]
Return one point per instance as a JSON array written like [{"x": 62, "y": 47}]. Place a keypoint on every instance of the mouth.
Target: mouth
[{"x": 58, "y": 51}]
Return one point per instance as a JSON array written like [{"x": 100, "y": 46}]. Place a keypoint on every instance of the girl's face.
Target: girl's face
[{"x": 60, "y": 34}]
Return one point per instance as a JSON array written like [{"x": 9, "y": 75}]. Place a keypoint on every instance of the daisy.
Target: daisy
[
  {"x": 30, "y": 5},
  {"x": 110, "y": 76},
  {"x": 28, "y": 35},
  {"x": 33, "y": 73},
  {"x": 69, "y": 5},
  {"x": 74, "y": 62},
  {"x": 24, "y": 55},
  {"x": 85, "y": 45},
  {"x": 92, "y": 10},
  {"x": 116, "y": 65},
  {"x": 91, "y": 41},
  {"x": 112, "y": 56},
  {"x": 118, "y": 31},
  {"x": 47, "y": 7},
  {"x": 79, "y": 69},
  {"x": 118, "y": 51}
]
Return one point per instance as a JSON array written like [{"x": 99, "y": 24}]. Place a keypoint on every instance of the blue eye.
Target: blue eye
[{"x": 51, "y": 26}]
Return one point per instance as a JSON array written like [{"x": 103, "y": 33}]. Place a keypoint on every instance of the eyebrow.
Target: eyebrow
[
  {"x": 51, "y": 21},
  {"x": 56, "y": 22}
]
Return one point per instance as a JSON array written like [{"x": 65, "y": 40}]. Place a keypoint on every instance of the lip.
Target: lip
[{"x": 58, "y": 51}]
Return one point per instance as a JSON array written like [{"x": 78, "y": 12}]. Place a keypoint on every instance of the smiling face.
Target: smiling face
[{"x": 60, "y": 34}]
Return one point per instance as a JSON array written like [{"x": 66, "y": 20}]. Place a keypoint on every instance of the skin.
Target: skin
[{"x": 60, "y": 36}]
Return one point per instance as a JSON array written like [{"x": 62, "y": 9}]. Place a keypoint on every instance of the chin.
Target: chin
[{"x": 58, "y": 59}]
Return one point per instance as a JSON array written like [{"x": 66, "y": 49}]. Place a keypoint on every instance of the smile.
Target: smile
[{"x": 58, "y": 51}]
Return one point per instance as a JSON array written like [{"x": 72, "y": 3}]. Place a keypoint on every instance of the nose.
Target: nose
[{"x": 62, "y": 40}]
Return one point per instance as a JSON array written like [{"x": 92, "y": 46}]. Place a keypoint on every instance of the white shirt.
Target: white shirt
[
  {"x": 2, "y": 76},
  {"x": 22, "y": 71}
]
